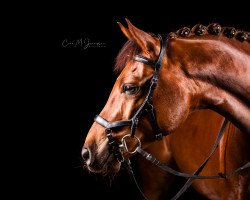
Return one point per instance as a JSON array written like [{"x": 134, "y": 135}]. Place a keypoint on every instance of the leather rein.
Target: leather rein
[{"x": 148, "y": 108}]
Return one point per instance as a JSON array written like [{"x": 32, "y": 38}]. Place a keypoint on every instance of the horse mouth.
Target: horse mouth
[
  {"x": 101, "y": 160},
  {"x": 105, "y": 165}
]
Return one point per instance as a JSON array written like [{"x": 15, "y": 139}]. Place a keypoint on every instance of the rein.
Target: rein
[
  {"x": 195, "y": 175},
  {"x": 147, "y": 107}
]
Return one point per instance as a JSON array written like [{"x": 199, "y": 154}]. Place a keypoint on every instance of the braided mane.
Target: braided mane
[{"x": 213, "y": 29}]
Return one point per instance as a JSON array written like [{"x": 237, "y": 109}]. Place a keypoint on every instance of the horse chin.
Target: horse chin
[
  {"x": 112, "y": 167},
  {"x": 105, "y": 165}
]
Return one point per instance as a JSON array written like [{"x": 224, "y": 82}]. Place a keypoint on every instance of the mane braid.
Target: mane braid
[{"x": 212, "y": 29}]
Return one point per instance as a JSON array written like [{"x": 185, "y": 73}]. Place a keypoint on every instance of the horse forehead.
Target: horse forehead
[{"x": 132, "y": 70}]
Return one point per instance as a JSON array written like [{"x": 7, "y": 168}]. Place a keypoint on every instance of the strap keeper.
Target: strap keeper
[
  {"x": 222, "y": 175},
  {"x": 154, "y": 80},
  {"x": 159, "y": 136}
]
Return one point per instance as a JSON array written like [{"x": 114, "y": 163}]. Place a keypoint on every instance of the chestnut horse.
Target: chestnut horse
[{"x": 164, "y": 80}]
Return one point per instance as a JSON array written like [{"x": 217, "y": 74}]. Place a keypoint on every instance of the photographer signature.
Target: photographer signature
[{"x": 83, "y": 43}]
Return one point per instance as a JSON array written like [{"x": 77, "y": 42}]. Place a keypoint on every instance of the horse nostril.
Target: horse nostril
[{"x": 85, "y": 154}]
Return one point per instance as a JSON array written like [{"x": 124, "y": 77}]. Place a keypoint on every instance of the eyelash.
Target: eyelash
[{"x": 130, "y": 89}]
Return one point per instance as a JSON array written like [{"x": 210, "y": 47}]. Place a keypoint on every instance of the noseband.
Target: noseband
[{"x": 145, "y": 107}]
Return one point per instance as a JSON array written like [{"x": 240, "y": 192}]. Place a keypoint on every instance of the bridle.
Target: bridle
[{"x": 148, "y": 108}]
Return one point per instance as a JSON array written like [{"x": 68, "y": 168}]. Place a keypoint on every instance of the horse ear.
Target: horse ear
[
  {"x": 125, "y": 31},
  {"x": 143, "y": 39}
]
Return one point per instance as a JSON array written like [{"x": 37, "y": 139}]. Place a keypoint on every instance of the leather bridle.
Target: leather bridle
[{"x": 147, "y": 107}]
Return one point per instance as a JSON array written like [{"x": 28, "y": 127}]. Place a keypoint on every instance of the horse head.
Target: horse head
[
  {"x": 136, "y": 106},
  {"x": 161, "y": 81}
]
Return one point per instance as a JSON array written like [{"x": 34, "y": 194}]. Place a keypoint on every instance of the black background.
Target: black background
[{"x": 69, "y": 86}]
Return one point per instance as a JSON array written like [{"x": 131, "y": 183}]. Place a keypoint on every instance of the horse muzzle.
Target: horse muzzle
[{"x": 102, "y": 162}]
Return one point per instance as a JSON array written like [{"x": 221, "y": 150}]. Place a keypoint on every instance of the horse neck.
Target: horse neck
[
  {"x": 229, "y": 106},
  {"x": 222, "y": 68}
]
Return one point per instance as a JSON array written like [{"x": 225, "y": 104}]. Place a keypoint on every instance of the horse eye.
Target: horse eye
[{"x": 130, "y": 89}]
